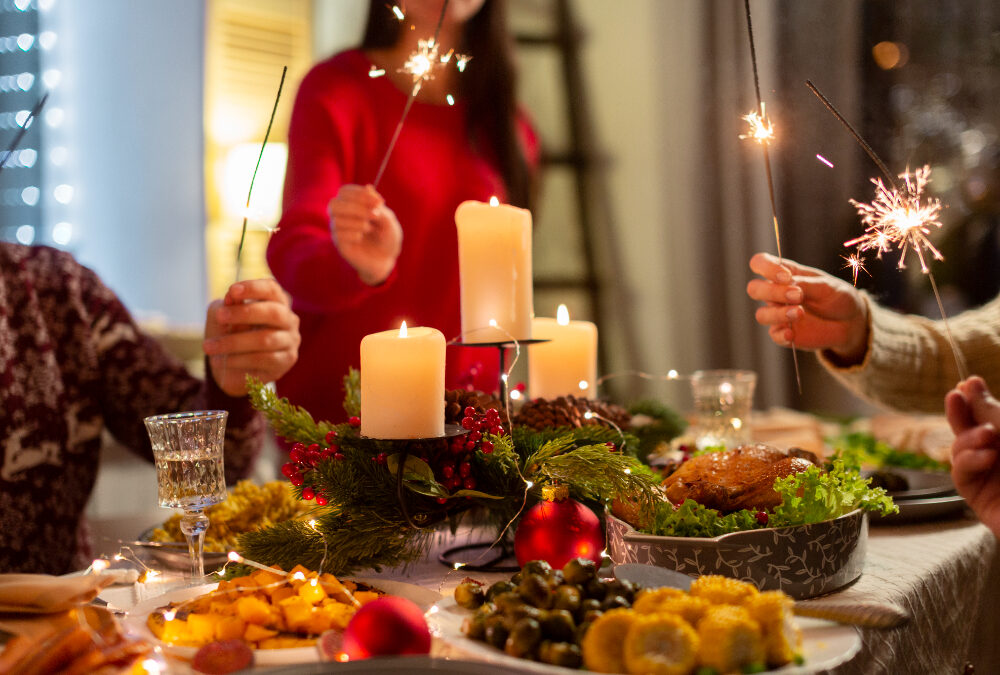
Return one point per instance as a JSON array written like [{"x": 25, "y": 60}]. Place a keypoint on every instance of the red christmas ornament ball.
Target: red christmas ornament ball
[
  {"x": 386, "y": 627},
  {"x": 557, "y": 531}
]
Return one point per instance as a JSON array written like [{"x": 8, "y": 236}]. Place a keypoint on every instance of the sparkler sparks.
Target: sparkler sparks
[
  {"x": 761, "y": 129},
  {"x": 856, "y": 264},
  {"x": 901, "y": 218}
]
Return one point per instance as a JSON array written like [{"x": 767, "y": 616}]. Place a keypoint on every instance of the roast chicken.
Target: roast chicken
[{"x": 742, "y": 478}]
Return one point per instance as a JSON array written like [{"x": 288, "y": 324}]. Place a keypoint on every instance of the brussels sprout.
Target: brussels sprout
[
  {"x": 498, "y": 588},
  {"x": 496, "y": 632},
  {"x": 562, "y": 654},
  {"x": 469, "y": 595},
  {"x": 579, "y": 571},
  {"x": 566, "y": 597},
  {"x": 613, "y": 602},
  {"x": 558, "y": 625},
  {"x": 505, "y": 602},
  {"x": 536, "y": 590},
  {"x": 474, "y": 627},
  {"x": 524, "y": 638}
]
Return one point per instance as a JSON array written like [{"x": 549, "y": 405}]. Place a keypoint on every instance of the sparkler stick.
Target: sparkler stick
[
  {"x": 24, "y": 129},
  {"x": 267, "y": 134},
  {"x": 897, "y": 217},
  {"x": 762, "y": 133}
]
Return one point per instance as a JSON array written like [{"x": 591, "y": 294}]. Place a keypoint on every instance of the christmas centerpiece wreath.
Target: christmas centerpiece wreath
[{"x": 377, "y": 503}]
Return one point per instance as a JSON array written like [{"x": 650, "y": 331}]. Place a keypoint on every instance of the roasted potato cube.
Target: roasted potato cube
[{"x": 253, "y": 610}]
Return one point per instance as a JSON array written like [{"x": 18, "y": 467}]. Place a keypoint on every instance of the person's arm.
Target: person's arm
[
  {"x": 900, "y": 361},
  {"x": 325, "y": 140},
  {"x": 974, "y": 416},
  {"x": 140, "y": 378}
]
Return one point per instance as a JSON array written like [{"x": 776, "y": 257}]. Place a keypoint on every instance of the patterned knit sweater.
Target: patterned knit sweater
[
  {"x": 909, "y": 364},
  {"x": 73, "y": 363}
]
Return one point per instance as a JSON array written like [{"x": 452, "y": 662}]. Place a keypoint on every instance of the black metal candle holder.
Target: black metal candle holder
[{"x": 502, "y": 347}]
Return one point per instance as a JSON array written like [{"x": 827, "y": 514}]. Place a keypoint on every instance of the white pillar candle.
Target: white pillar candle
[
  {"x": 494, "y": 265},
  {"x": 402, "y": 383},
  {"x": 567, "y": 364}
]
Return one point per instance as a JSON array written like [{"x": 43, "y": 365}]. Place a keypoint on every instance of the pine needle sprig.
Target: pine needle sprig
[{"x": 287, "y": 420}]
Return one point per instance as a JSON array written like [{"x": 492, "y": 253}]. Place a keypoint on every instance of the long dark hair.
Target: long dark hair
[{"x": 489, "y": 89}]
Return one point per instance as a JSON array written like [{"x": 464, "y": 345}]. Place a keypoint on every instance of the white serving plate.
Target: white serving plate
[
  {"x": 825, "y": 644},
  {"x": 135, "y": 620}
]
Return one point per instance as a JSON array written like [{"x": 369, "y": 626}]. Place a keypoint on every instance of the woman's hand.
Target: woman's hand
[
  {"x": 252, "y": 331},
  {"x": 974, "y": 416},
  {"x": 366, "y": 232},
  {"x": 816, "y": 310}
]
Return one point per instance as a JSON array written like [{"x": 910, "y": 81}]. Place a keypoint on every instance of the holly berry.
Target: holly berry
[
  {"x": 338, "y": 457},
  {"x": 298, "y": 453},
  {"x": 464, "y": 469},
  {"x": 321, "y": 500},
  {"x": 447, "y": 470},
  {"x": 468, "y": 423},
  {"x": 355, "y": 421},
  {"x": 469, "y": 483},
  {"x": 442, "y": 500},
  {"x": 470, "y": 411},
  {"x": 330, "y": 436},
  {"x": 297, "y": 479},
  {"x": 308, "y": 493},
  {"x": 486, "y": 447},
  {"x": 288, "y": 469},
  {"x": 761, "y": 517}
]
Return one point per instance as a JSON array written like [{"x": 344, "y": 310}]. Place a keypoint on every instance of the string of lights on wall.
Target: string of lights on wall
[{"x": 35, "y": 195}]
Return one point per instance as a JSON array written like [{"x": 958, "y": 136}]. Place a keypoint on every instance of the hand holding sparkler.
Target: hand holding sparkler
[
  {"x": 366, "y": 232},
  {"x": 819, "y": 310},
  {"x": 252, "y": 331}
]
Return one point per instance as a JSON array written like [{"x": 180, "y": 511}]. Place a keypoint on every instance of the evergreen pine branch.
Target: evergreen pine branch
[
  {"x": 593, "y": 473},
  {"x": 288, "y": 421},
  {"x": 352, "y": 392}
]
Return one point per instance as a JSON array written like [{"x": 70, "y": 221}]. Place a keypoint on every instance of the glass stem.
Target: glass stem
[{"x": 193, "y": 525}]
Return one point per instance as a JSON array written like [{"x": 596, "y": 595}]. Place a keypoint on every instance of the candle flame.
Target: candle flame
[
  {"x": 494, "y": 201},
  {"x": 562, "y": 316},
  {"x": 402, "y": 330}
]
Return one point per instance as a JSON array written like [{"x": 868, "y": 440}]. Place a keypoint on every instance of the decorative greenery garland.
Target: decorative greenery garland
[{"x": 368, "y": 515}]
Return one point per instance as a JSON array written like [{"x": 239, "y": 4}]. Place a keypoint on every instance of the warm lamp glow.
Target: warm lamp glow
[{"x": 234, "y": 174}]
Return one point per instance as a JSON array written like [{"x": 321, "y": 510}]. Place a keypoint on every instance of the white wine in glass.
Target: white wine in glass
[{"x": 187, "y": 448}]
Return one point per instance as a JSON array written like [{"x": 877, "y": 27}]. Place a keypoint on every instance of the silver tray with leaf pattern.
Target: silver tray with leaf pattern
[{"x": 803, "y": 561}]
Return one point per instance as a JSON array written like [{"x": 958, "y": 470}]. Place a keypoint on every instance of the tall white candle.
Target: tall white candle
[
  {"x": 402, "y": 383},
  {"x": 494, "y": 264},
  {"x": 567, "y": 364}
]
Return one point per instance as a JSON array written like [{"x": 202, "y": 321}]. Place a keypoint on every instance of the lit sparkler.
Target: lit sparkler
[
  {"x": 762, "y": 131},
  {"x": 421, "y": 65},
  {"x": 900, "y": 218},
  {"x": 856, "y": 264}
]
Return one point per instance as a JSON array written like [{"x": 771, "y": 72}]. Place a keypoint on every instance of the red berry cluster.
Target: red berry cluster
[
  {"x": 305, "y": 458},
  {"x": 454, "y": 470}
]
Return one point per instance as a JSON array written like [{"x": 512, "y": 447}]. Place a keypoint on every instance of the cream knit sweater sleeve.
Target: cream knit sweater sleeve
[{"x": 909, "y": 365}]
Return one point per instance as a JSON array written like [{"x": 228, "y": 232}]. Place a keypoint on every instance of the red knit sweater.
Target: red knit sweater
[{"x": 341, "y": 126}]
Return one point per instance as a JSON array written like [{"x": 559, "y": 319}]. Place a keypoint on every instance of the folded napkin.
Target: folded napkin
[{"x": 44, "y": 594}]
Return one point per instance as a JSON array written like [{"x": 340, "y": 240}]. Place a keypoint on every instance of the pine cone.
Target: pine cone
[
  {"x": 569, "y": 411},
  {"x": 457, "y": 400}
]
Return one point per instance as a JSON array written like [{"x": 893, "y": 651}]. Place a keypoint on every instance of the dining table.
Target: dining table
[{"x": 944, "y": 573}]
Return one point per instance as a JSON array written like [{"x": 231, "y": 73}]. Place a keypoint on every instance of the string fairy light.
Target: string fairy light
[
  {"x": 762, "y": 131},
  {"x": 899, "y": 218},
  {"x": 421, "y": 65}
]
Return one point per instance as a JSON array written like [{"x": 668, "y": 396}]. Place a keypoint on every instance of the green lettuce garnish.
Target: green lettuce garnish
[
  {"x": 862, "y": 449},
  {"x": 811, "y": 496}
]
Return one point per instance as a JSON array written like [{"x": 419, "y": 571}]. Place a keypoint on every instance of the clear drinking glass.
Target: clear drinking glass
[
  {"x": 187, "y": 447},
  {"x": 723, "y": 400}
]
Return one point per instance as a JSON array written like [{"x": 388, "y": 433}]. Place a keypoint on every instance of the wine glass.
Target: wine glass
[{"x": 187, "y": 447}]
